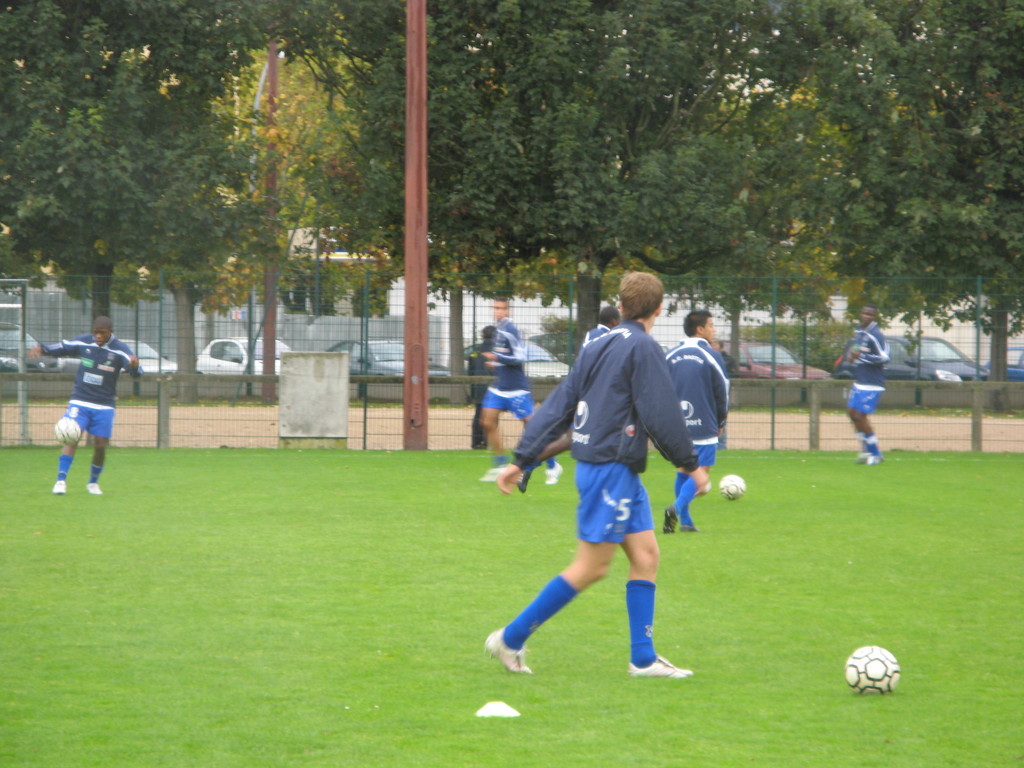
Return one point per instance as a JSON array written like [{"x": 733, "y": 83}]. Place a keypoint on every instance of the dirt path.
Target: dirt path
[{"x": 256, "y": 427}]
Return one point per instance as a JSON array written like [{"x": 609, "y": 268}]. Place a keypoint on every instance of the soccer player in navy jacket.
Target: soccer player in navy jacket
[
  {"x": 102, "y": 358},
  {"x": 510, "y": 392},
  {"x": 869, "y": 353},
  {"x": 702, "y": 388},
  {"x": 616, "y": 398}
]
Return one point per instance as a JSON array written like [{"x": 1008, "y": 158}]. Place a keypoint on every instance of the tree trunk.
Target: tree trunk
[
  {"x": 184, "y": 323},
  {"x": 588, "y": 306},
  {"x": 456, "y": 343},
  {"x": 997, "y": 357}
]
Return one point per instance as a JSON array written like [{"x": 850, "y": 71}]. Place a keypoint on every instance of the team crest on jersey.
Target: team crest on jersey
[{"x": 582, "y": 414}]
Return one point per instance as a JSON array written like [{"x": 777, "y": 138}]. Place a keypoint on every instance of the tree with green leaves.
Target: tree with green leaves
[
  {"x": 582, "y": 137},
  {"x": 920, "y": 182},
  {"x": 116, "y": 149}
]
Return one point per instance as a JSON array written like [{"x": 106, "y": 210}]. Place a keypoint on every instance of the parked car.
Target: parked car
[
  {"x": 936, "y": 360},
  {"x": 150, "y": 359},
  {"x": 1014, "y": 364},
  {"x": 755, "y": 362},
  {"x": 10, "y": 340},
  {"x": 380, "y": 358},
  {"x": 540, "y": 363},
  {"x": 232, "y": 356}
]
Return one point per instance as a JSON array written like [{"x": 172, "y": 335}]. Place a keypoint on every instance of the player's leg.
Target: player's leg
[
  {"x": 686, "y": 490},
  {"x": 490, "y": 410},
  {"x": 641, "y": 547},
  {"x": 101, "y": 427},
  {"x": 67, "y": 453},
  {"x": 862, "y": 403},
  {"x": 590, "y": 564}
]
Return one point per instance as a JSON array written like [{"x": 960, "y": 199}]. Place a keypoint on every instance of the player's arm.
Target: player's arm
[{"x": 875, "y": 351}]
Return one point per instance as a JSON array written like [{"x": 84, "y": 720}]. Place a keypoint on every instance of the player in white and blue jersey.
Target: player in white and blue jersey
[
  {"x": 869, "y": 353},
  {"x": 702, "y": 388},
  {"x": 616, "y": 398},
  {"x": 511, "y": 390},
  {"x": 102, "y": 357}
]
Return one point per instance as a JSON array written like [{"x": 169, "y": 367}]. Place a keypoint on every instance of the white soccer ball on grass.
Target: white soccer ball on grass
[
  {"x": 732, "y": 487},
  {"x": 872, "y": 669}
]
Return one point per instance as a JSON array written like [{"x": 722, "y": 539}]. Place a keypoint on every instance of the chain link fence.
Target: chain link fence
[{"x": 784, "y": 336}]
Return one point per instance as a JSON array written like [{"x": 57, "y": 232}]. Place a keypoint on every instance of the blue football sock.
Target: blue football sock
[
  {"x": 94, "y": 473},
  {"x": 500, "y": 461},
  {"x": 871, "y": 444},
  {"x": 63, "y": 466},
  {"x": 640, "y": 607},
  {"x": 686, "y": 490},
  {"x": 551, "y": 463},
  {"x": 554, "y": 597}
]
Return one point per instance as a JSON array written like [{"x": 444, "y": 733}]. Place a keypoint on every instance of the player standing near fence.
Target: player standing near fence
[
  {"x": 102, "y": 357},
  {"x": 617, "y": 396},
  {"x": 869, "y": 353}
]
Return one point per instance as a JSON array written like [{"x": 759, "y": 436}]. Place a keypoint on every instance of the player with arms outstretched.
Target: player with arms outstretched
[
  {"x": 617, "y": 396},
  {"x": 102, "y": 358}
]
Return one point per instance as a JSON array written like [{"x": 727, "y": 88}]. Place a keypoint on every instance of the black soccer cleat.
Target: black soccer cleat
[
  {"x": 524, "y": 479},
  {"x": 671, "y": 519}
]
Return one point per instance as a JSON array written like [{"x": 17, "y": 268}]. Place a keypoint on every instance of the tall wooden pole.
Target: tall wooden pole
[
  {"x": 416, "y": 385},
  {"x": 271, "y": 267}
]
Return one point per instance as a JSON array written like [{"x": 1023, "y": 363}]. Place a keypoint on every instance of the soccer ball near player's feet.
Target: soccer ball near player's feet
[
  {"x": 872, "y": 670},
  {"x": 732, "y": 486},
  {"x": 67, "y": 431}
]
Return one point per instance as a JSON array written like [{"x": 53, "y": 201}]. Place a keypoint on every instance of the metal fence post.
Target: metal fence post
[
  {"x": 163, "y": 412},
  {"x": 977, "y": 413},
  {"x": 814, "y": 417}
]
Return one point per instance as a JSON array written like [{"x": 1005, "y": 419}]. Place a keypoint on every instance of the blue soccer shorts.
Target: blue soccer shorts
[
  {"x": 519, "y": 404},
  {"x": 97, "y": 420},
  {"x": 706, "y": 454},
  {"x": 863, "y": 400},
  {"x": 613, "y": 503}
]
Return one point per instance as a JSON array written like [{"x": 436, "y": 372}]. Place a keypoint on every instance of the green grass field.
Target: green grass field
[{"x": 267, "y": 608}]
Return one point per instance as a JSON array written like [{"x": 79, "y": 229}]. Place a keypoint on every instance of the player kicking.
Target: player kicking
[
  {"x": 102, "y": 358},
  {"x": 869, "y": 353},
  {"x": 617, "y": 396},
  {"x": 702, "y": 389}
]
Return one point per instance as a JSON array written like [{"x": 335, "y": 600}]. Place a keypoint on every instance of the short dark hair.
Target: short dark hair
[
  {"x": 698, "y": 318},
  {"x": 487, "y": 332},
  {"x": 609, "y": 315}
]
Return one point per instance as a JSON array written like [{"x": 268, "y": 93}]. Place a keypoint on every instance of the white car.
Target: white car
[
  {"x": 232, "y": 356},
  {"x": 150, "y": 359}
]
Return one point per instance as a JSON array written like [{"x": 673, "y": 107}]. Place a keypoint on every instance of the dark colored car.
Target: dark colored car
[
  {"x": 10, "y": 340},
  {"x": 935, "y": 360},
  {"x": 756, "y": 360},
  {"x": 1014, "y": 364},
  {"x": 380, "y": 358}
]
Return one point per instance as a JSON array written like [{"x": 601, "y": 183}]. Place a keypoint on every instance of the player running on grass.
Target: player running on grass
[
  {"x": 616, "y": 397},
  {"x": 869, "y": 353},
  {"x": 103, "y": 356},
  {"x": 511, "y": 391}
]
